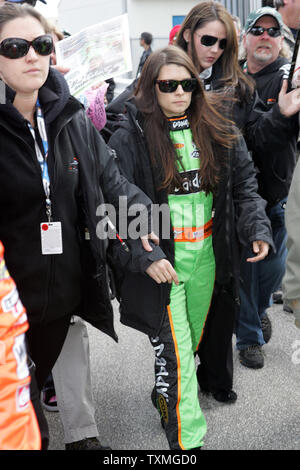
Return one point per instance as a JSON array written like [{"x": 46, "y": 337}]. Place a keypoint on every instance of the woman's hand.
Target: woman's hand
[
  {"x": 162, "y": 271},
  {"x": 146, "y": 244},
  {"x": 261, "y": 249}
]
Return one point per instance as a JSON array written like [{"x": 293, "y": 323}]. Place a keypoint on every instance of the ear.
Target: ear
[{"x": 187, "y": 35}]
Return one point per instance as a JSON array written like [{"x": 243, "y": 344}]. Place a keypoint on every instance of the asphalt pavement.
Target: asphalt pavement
[{"x": 266, "y": 415}]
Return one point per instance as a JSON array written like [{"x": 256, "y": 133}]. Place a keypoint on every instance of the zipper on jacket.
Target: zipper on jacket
[{"x": 139, "y": 127}]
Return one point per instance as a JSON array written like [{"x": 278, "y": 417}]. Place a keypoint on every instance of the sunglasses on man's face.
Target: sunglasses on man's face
[
  {"x": 209, "y": 41},
  {"x": 169, "y": 86},
  {"x": 30, "y": 2},
  {"x": 259, "y": 31},
  {"x": 14, "y": 48}
]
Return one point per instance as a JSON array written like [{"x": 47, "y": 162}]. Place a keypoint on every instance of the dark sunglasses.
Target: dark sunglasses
[
  {"x": 209, "y": 41},
  {"x": 259, "y": 31},
  {"x": 14, "y": 48},
  {"x": 169, "y": 86},
  {"x": 30, "y": 2}
]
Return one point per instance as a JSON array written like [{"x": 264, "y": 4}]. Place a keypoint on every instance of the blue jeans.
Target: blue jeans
[{"x": 259, "y": 281}]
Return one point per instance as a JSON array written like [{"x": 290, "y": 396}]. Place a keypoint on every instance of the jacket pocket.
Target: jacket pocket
[{"x": 143, "y": 303}]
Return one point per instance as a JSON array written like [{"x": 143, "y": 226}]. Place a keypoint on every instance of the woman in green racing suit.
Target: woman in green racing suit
[{"x": 185, "y": 155}]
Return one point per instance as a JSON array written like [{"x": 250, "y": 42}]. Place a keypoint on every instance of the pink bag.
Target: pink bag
[{"x": 96, "y": 107}]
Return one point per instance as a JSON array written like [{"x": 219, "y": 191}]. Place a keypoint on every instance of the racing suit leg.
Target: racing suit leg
[{"x": 175, "y": 374}]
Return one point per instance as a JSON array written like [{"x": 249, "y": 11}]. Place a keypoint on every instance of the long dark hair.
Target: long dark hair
[
  {"x": 232, "y": 75},
  {"x": 209, "y": 128}
]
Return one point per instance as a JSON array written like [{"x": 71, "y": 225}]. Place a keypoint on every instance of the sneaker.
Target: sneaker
[
  {"x": 252, "y": 357},
  {"x": 90, "y": 443},
  {"x": 224, "y": 396},
  {"x": 287, "y": 308},
  {"x": 48, "y": 399},
  {"x": 266, "y": 328},
  {"x": 277, "y": 297}
]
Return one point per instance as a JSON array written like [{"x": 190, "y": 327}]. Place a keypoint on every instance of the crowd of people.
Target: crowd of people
[{"x": 207, "y": 150}]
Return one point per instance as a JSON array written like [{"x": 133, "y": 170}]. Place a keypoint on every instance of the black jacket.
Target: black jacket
[
  {"x": 270, "y": 136},
  {"x": 239, "y": 220},
  {"x": 275, "y": 158},
  {"x": 83, "y": 175}
]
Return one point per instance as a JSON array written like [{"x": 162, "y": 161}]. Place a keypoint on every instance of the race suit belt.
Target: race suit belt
[{"x": 193, "y": 234}]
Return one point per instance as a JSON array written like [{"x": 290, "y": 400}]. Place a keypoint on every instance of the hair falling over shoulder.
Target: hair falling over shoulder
[{"x": 212, "y": 132}]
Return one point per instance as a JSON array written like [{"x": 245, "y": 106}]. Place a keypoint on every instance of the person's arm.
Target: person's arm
[
  {"x": 154, "y": 264},
  {"x": 134, "y": 213},
  {"x": 252, "y": 224},
  {"x": 291, "y": 280},
  {"x": 270, "y": 129}
]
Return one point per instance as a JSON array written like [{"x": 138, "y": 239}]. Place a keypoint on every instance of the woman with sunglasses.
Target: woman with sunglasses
[
  {"x": 208, "y": 36},
  {"x": 55, "y": 171},
  {"x": 182, "y": 153}
]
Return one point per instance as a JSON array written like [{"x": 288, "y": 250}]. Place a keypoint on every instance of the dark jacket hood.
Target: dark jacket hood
[{"x": 53, "y": 96}]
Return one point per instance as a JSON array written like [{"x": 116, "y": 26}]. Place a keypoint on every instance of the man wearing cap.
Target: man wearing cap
[
  {"x": 290, "y": 12},
  {"x": 262, "y": 41},
  {"x": 29, "y": 2}
]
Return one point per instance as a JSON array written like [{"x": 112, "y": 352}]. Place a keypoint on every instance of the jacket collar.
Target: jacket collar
[
  {"x": 53, "y": 96},
  {"x": 273, "y": 67}
]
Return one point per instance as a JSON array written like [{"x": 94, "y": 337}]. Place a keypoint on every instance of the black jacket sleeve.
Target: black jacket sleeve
[
  {"x": 125, "y": 149},
  {"x": 133, "y": 210},
  {"x": 268, "y": 130},
  {"x": 252, "y": 222}
]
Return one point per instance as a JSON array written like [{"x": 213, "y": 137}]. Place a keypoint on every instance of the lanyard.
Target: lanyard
[{"x": 42, "y": 159}]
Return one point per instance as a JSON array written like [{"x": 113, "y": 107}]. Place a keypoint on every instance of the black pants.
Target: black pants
[
  {"x": 44, "y": 343},
  {"x": 215, "y": 351}
]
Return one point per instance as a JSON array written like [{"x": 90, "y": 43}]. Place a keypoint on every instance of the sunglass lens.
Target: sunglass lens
[
  {"x": 43, "y": 45},
  {"x": 257, "y": 31},
  {"x": 14, "y": 48},
  {"x": 274, "y": 32},
  {"x": 167, "y": 86},
  {"x": 223, "y": 44},
  {"x": 189, "y": 84},
  {"x": 208, "y": 40}
]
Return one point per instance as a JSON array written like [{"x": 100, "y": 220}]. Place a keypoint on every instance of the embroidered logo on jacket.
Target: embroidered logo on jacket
[{"x": 73, "y": 166}]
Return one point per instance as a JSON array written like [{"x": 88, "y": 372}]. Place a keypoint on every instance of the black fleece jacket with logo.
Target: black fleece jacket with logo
[
  {"x": 275, "y": 160},
  {"x": 270, "y": 136},
  {"x": 83, "y": 175}
]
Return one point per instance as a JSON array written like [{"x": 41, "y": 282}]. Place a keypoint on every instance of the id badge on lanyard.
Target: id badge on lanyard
[{"x": 51, "y": 232}]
